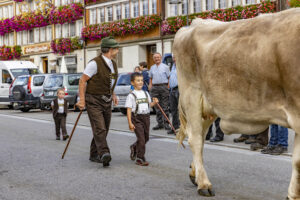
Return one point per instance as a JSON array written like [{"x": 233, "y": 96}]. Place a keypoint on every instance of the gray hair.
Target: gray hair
[{"x": 105, "y": 49}]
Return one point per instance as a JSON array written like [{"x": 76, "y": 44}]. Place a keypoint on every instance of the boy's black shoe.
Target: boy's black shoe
[
  {"x": 216, "y": 139},
  {"x": 95, "y": 159},
  {"x": 57, "y": 138},
  {"x": 132, "y": 153},
  {"x": 105, "y": 159},
  {"x": 65, "y": 137},
  {"x": 250, "y": 141},
  {"x": 240, "y": 139},
  {"x": 157, "y": 127},
  {"x": 141, "y": 162}
]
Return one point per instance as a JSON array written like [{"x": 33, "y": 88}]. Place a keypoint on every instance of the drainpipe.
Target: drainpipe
[{"x": 162, "y": 14}]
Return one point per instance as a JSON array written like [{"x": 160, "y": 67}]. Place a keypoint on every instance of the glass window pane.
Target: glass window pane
[
  {"x": 72, "y": 29},
  {"x": 38, "y": 80},
  {"x": 135, "y": 9},
  {"x": 49, "y": 33},
  {"x": 145, "y": 7},
  {"x": 79, "y": 27},
  {"x": 25, "y": 38},
  {"x": 65, "y": 30},
  {"x": 58, "y": 30},
  {"x": 36, "y": 35},
  {"x": 197, "y": 6},
  {"x": 127, "y": 10},
  {"x": 102, "y": 15},
  {"x": 109, "y": 14},
  {"x": 5, "y": 76},
  {"x": 118, "y": 12},
  {"x": 154, "y": 6}
]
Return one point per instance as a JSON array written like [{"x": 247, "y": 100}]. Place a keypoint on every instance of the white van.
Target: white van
[{"x": 9, "y": 70}]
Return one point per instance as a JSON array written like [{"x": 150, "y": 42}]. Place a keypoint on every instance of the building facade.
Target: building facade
[{"x": 137, "y": 44}]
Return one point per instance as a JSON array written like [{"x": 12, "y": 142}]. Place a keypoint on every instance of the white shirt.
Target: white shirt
[
  {"x": 144, "y": 108},
  {"x": 91, "y": 68},
  {"x": 61, "y": 103}
]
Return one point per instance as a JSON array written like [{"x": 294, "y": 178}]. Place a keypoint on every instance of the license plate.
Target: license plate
[{"x": 51, "y": 93}]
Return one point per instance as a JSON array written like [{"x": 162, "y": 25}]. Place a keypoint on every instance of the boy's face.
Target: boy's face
[
  {"x": 138, "y": 83},
  {"x": 61, "y": 94}
]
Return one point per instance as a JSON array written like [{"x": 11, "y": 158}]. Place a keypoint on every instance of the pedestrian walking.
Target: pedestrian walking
[
  {"x": 219, "y": 133},
  {"x": 96, "y": 88},
  {"x": 174, "y": 97},
  {"x": 60, "y": 109},
  {"x": 138, "y": 105},
  {"x": 144, "y": 70},
  {"x": 278, "y": 143},
  {"x": 158, "y": 86}
]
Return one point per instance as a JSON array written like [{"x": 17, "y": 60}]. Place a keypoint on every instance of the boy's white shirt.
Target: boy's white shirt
[
  {"x": 61, "y": 108},
  {"x": 144, "y": 108}
]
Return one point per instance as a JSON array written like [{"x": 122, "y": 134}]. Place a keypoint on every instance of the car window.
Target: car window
[
  {"x": 38, "y": 80},
  {"x": 124, "y": 79},
  {"x": 21, "y": 81},
  {"x": 54, "y": 81},
  {"x": 6, "y": 78},
  {"x": 24, "y": 71},
  {"x": 74, "y": 79}
]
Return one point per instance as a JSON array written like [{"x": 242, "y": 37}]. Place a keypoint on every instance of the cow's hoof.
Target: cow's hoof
[
  {"x": 193, "y": 180},
  {"x": 206, "y": 192}
]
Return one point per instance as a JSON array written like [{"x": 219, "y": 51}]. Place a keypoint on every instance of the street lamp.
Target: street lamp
[{"x": 180, "y": 2}]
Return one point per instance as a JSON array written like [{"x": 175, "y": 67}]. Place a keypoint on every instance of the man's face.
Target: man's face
[
  {"x": 114, "y": 52},
  {"x": 157, "y": 58}
]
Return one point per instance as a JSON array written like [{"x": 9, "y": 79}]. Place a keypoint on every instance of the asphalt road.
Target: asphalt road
[{"x": 31, "y": 168}]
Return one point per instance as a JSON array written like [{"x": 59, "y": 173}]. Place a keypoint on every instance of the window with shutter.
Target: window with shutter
[
  {"x": 1, "y": 12},
  {"x": 19, "y": 38},
  {"x": 98, "y": 15},
  {"x": 109, "y": 14},
  {"x": 65, "y": 30},
  {"x": 118, "y": 12},
  {"x": 154, "y": 6},
  {"x": 43, "y": 34},
  {"x": 102, "y": 15},
  {"x": 11, "y": 39},
  {"x": 197, "y": 6},
  {"x": 174, "y": 9},
  {"x": 135, "y": 9},
  {"x": 127, "y": 10},
  {"x": 236, "y": 2},
  {"x": 58, "y": 31},
  {"x": 49, "y": 33},
  {"x": 25, "y": 37},
  {"x": 10, "y": 11},
  {"x": 209, "y": 4},
  {"x": 5, "y": 12},
  {"x": 6, "y": 39},
  {"x": 72, "y": 29}
]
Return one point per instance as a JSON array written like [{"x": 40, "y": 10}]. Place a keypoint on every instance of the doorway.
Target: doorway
[
  {"x": 151, "y": 49},
  {"x": 45, "y": 65}
]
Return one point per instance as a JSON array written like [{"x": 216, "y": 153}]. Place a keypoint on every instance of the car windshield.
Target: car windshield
[
  {"x": 124, "y": 79},
  {"x": 24, "y": 71},
  {"x": 21, "y": 81},
  {"x": 54, "y": 81}
]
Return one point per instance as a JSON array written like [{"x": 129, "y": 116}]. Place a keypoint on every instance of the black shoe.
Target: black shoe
[
  {"x": 216, "y": 139},
  {"x": 95, "y": 159},
  {"x": 105, "y": 159},
  {"x": 240, "y": 139},
  {"x": 171, "y": 132},
  {"x": 250, "y": 141},
  {"x": 279, "y": 150},
  {"x": 157, "y": 127},
  {"x": 132, "y": 153},
  {"x": 167, "y": 127},
  {"x": 267, "y": 150},
  {"x": 255, "y": 146},
  {"x": 65, "y": 137},
  {"x": 57, "y": 138}
]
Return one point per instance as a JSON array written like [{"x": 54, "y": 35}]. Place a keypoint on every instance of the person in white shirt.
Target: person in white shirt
[
  {"x": 59, "y": 109},
  {"x": 138, "y": 105}
]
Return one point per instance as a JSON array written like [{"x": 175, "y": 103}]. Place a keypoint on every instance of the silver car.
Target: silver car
[
  {"x": 26, "y": 90},
  {"x": 122, "y": 89}
]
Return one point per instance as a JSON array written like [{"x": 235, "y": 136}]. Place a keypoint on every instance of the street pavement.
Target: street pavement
[{"x": 31, "y": 166}]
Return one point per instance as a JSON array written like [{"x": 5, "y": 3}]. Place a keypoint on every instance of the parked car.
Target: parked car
[
  {"x": 10, "y": 70},
  {"x": 25, "y": 91},
  {"x": 69, "y": 82},
  {"x": 168, "y": 59},
  {"x": 122, "y": 89}
]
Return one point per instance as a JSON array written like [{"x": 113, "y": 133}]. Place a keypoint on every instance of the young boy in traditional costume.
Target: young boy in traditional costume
[{"x": 138, "y": 105}]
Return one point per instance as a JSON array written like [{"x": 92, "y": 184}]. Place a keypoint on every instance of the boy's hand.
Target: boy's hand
[
  {"x": 155, "y": 100},
  {"x": 131, "y": 127}
]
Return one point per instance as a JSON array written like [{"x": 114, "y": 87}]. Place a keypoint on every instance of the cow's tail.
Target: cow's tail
[{"x": 182, "y": 117}]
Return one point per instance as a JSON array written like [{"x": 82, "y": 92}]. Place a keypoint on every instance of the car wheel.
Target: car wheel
[
  {"x": 10, "y": 107},
  {"x": 25, "y": 109},
  {"x": 18, "y": 93},
  {"x": 123, "y": 111}
]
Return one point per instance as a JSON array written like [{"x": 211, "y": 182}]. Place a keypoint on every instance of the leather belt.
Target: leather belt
[{"x": 161, "y": 84}]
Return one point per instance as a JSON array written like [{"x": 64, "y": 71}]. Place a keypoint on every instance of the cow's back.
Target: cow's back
[{"x": 247, "y": 70}]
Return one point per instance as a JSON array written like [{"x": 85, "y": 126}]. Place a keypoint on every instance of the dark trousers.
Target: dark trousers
[
  {"x": 162, "y": 94},
  {"x": 60, "y": 123},
  {"x": 174, "y": 98},
  {"x": 219, "y": 132},
  {"x": 99, "y": 112},
  {"x": 142, "y": 126}
]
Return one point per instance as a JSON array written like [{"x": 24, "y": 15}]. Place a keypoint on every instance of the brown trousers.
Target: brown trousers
[
  {"x": 60, "y": 122},
  {"x": 99, "y": 112},
  {"x": 142, "y": 126}
]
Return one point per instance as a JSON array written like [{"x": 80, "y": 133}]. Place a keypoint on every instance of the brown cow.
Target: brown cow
[{"x": 247, "y": 72}]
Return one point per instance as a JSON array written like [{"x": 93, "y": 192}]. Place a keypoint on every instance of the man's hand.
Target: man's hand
[
  {"x": 131, "y": 127},
  {"x": 115, "y": 99},
  {"x": 81, "y": 104}
]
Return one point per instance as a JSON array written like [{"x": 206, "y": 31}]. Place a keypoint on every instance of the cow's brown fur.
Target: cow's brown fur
[{"x": 247, "y": 73}]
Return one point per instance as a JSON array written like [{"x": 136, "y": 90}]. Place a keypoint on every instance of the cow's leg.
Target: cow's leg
[
  {"x": 294, "y": 188},
  {"x": 196, "y": 140}
]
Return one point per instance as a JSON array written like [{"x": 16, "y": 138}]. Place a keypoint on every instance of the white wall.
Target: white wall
[
  {"x": 80, "y": 60},
  {"x": 90, "y": 54},
  {"x": 142, "y": 53},
  {"x": 167, "y": 47},
  {"x": 130, "y": 58}
]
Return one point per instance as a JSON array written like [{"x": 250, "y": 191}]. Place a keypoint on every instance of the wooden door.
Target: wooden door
[
  {"x": 151, "y": 49},
  {"x": 45, "y": 65}
]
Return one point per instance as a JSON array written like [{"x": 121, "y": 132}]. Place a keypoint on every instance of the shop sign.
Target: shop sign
[{"x": 37, "y": 49}]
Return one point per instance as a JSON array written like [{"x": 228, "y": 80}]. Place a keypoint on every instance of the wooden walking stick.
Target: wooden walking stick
[
  {"x": 162, "y": 111},
  {"x": 66, "y": 148}
]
